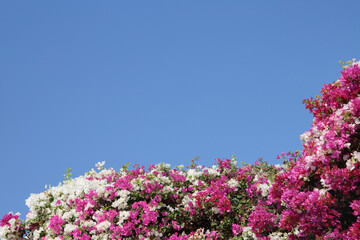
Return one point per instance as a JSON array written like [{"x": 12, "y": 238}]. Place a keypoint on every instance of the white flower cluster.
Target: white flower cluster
[
  {"x": 264, "y": 188},
  {"x": 232, "y": 183},
  {"x": 100, "y": 165},
  {"x": 213, "y": 171},
  {"x": 278, "y": 236},
  {"x": 193, "y": 175},
  {"x": 305, "y": 137},
  {"x": 63, "y": 193},
  {"x": 124, "y": 215},
  {"x": 322, "y": 181},
  {"x": 280, "y": 168},
  {"x": 121, "y": 203},
  {"x": 69, "y": 190},
  {"x": 355, "y": 63},
  {"x": 248, "y": 234},
  {"x": 350, "y": 163}
]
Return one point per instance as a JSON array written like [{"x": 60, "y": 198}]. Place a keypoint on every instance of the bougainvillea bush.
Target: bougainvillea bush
[
  {"x": 318, "y": 197},
  {"x": 155, "y": 203},
  {"x": 313, "y": 195}
]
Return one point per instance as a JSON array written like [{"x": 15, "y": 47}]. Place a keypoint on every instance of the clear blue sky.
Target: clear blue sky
[{"x": 159, "y": 81}]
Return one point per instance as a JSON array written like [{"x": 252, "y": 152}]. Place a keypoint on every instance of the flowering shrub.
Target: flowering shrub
[
  {"x": 314, "y": 195},
  {"x": 161, "y": 203},
  {"x": 318, "y": 196}
]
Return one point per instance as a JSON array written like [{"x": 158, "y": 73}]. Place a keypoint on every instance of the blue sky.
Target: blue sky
[{"x": 159, "y": 81}]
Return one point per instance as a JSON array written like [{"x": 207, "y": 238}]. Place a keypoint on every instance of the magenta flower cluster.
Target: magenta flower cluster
[{"x": 318, "y": 196}]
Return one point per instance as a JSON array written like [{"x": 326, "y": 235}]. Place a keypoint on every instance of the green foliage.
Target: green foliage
[
  {"x": 67, "y": 175},
  {"x": 346, "y": 64},
  {"x": 126, "y": 166},
  {"x": 290, "y": 158},
  {"x": 193, "y": 164}
]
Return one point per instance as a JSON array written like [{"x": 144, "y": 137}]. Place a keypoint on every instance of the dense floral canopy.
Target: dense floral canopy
[{"x": 314, "y": 195}]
